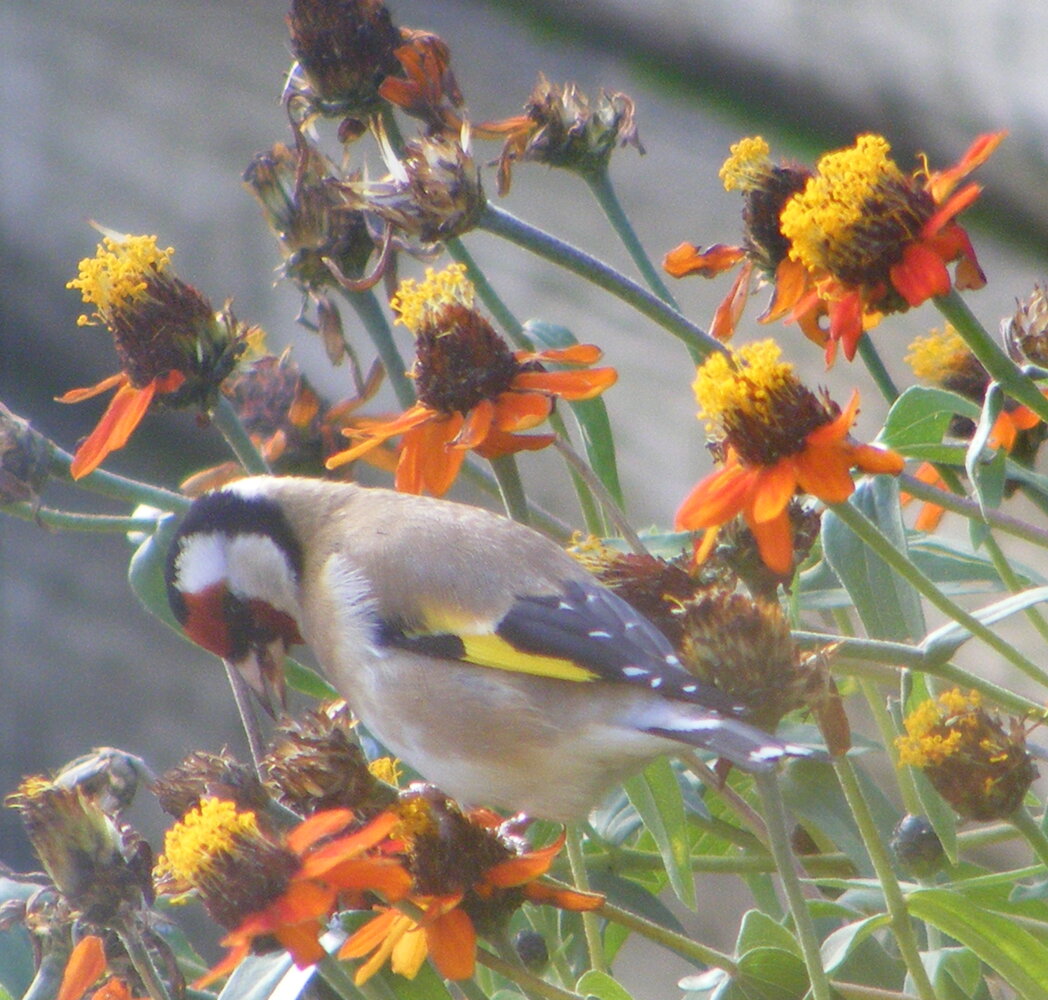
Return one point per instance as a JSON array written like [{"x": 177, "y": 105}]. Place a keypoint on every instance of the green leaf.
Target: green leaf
[
  {"x": 599, "y": 984},
  {"x": 941, "y": 644},
  {"x": 656, "y": 795},
  {"x": 591, "y": 414},
  {"x": 954, "y": 972},
  {"x": 758, "y": 930},
  {"x": 769, "y": 974},
  {"x": 1011, "y": 951},
  {"x": 842, "y": 942},
  {"x": 921, "y": 415},
  {"x": 987, "y": 477},
  {"x": 260, "y": 977},
  {"x": 427, "y": 985},
  {"x": 889, "y": 606}
]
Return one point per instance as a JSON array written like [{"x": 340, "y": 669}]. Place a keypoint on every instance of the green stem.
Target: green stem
[
  {"x": 779, "y": 837},
  {"x": 1031, "y": 832},
  {"x": 511, "y": 488},
  {"x": 227, "y": 420},
  {"x": 1011, "y": 580},
  {"x": 66, "y": 520},
  {"x": 579, "y": 875},
  {"x": 370, "y": 313},
  {"x": 116, "y": 487},
  {"x": 893, "y": 897},
  {"x": 876, "y": 541},
  {"x": 968, "y": 508},
  {"x": 875, "y": 700},
  {"x": 142, "y": 961},
  {"x": 875, "y": 366},
  {"x": 523, "y": 978},
  {"x": 627, "y": 861},
  {"x": 500, "y": 222},
  {"x": 600, "y": 185},
  {"x": 540, "y": 518},
  {"x": 332, "y": 972},
  {"x": 855, "y": 991},
  {"x": 992, "y": 356}
]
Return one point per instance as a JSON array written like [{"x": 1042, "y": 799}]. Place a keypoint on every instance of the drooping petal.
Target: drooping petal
[
  {"x": 716, "y": 499},
  {"x": 79, "y": 395},
  {"x": 409, "y": 952},
  {"x": 320, "y": 825},
  {"x": 942, "y": 182},
  {"x": 523, "y": 867},
  {"x": 575, "y": 354},
  {"x": 775, "y": 485},
  {"x": 476, "y": 426},
  {"x": 686, "y": 258},
  {"x": 729, "y": 311},
  {"x": 124, "y": 413},
  {"x": 406, "y": 421},
  {"x": 452, "y": 941},
  {"x": 499, "y": 443},
  {"x": 825, "y": 473},
  {"x": 520, "y": 411},
  {"x": 775, "y": 542},
  {"x": 564, "y": 899},
  {"x": 568, "y": 385},
  {"x": 85, "y": 966},
  {"x": 920, "y": 275},
  {"x": 428, "y": 463}
]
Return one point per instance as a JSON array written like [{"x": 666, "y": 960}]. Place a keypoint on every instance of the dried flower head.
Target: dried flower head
[
  {"x": 474, "y": 392},
  {"x": 99, "y": 865},
  {"x": 428, "y": 89},
  {"x": 765, "y": 188},
  {"x": 173, "y": 347},
  {"x": 777, "y": 437},
  {"x": 345, "y": 49},
  {"x": 204, "y": 775},
  {"x": 316, "y": 763},
  {"x": 561, "y": 127},
  {"x": 1026, "y": 332},
  {"x": 980, "y": 768}
]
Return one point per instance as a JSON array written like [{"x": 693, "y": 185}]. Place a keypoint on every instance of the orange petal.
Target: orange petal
[
  {"x": 940, "y": 184},
  {"x": 689, "y": 259},
  {"x": 86, "y": 964},
  {"x": 920, "y": 275},
  {"x": 385, "y": 876},
  {"x": 870, "y": 458},
  {"x": 233, "y": 958},
  {"x": 452, "y": 941},
  {"x": 302, "y": 942},
  {"x": 320, "y": 825},
  {"x": 124, "y": 413},
  {"x": 718, "y": 498},
  {"x": 568, "y": 385},
  {"x": 775, "y": 542},
  {"x": 427, "y": 462},
  {"x": 79, "y": 395},
  {"x": 371, "y": 935},
  {"x": 846, "y": 322},
  {"x": 476, "y": 425},
  {"x": 524, "y": 867},
  {"x": 409, "y": 419},
  {"x": 792, "y": 282},
  {"x": 576, "y": 354},
  {"x": 520, "y": 411},
  {"x": 500, "y": 443},
  {"x": 409, "y": 953},
  {"x": 775, "y": 485},
  {"x": 825, "y": 473},
  {"x": 729, "y": 312},
  {"x": 565, "y": 899}
]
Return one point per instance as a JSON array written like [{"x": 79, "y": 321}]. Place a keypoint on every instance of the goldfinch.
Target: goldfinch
[{"x": 473, "y": 647}]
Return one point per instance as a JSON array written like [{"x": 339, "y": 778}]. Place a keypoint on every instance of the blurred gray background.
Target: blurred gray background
[{"x": 142, "y": 115}]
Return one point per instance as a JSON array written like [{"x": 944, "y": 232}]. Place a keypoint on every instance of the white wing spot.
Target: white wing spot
[
  {"x": 690, "y": 688},
  {"x": 598, "y": 633},
  {"x": 656, "y": 682},
  {"x": 634, "y": 672}
]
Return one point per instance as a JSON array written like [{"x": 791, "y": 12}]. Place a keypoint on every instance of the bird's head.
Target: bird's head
[{"x": 232, "y": 579}]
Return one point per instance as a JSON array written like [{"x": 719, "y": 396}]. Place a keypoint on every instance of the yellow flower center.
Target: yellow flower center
[
  {"x": 936, "y": 355},
  {"x": 935, "y": 729},
  {"x": 748, "y": 383},
  {"x": 116, "y": 275},
  {"x": 385, "y": 769},
  {"x": 747, "y": 164},
  {"x": 212, "y": 830},
  {"x": 837, "y": 198},
  {"x": 418, "y": 303}
]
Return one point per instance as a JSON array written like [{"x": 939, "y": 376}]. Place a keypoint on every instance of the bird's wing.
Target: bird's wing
[{"x": 584, "y": 633}]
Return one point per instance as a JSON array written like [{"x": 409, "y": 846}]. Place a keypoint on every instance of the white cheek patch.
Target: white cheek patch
[{"x": 251, "y": 566}]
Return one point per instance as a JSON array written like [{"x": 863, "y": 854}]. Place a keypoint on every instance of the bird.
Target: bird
[{"x": 471, "y": 646}]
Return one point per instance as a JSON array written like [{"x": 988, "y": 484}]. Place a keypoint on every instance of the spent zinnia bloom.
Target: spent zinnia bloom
[
  {"x": 980, "y": 768},
  {"x": 562, "y": 127},
  {"x": 473, "y": 391},
  {"x": 765, "y": 188},
  {"x": 943, "y": 358},
  {"x": 469, "y": 875},
  {"x": 265, "y": 888},
  {"x": 875, "y": 240},
  {"x": 173, "y": 347},
  {"x": 428, "y": 89},
  {"x": 777, "y": 438}
]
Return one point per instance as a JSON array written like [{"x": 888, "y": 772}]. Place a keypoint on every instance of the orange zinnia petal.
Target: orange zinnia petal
[
  {"x": 718, "y": 498},
  {"x": 940, "y": 184},
  {"x": 564, "y": 899},
  {"x": 846, "y": 323},
  {"x": 568, "y": 385},
  {"x": 124, "y": 413},
  {"x": 406, "y": 421},
  {"x": 409, "y": 953},
  {"x": 825, "y": 473},
  {"x": 476, "y": 425},
  {"x": 576, "y": 354},
  {"x": 317, "y": 827},
  {"x": 302, "y": 942},
  {"x": 920, "y": 275},
  {"x": 499, "y": 443},
  {"x": 86, "y": 964},
  {"x": 729, "y": 312},
  {"x": 689, "y": 259},
  {"x": 791, "y": 287},
  {"x": 774, "y": 487},
  {"x": 79, "y": 395},
  {"x": 428, "y": 463},
  {"x": 452, "y": 941},
  {"x": 524, "y": 867},
  {"x": 520, "y": 411},
  {"x": 870, "y": 458},
  {"x": 775, "y": 542},
  {"x": 371, "y": 935}
]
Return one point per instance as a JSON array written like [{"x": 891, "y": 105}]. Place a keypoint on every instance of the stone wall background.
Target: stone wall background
[{"x": 142, "y": 116}]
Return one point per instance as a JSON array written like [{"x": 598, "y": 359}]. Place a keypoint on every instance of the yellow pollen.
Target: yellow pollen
[
  {"x": 415, "y": 816},
  {"x": 416, "y": 303},
  {"x": 117, "y": 274},
  {"x": 213, "y": 828},
  {"x": 747, "y": 163},
  {"x": 943, "y": 351},
  {"x": 925, "y": 742},
  {"x": 385, "y": 769},
  {"x": 748, "y": 382},
  {"x": 836, "y": 199}
]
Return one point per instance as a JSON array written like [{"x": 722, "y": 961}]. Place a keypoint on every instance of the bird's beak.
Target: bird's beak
[{"x": 263, "y": 672}]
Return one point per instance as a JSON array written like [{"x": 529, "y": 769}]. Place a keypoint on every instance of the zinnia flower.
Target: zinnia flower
[
  {"x": 943, "y": 358},
  {"x": 264, "y": 888},
  {"x": 765, "y": 188},
  {"x": 428, "y": 89},
  {"x": 875, "y": 240},
  {"x": 172, "y": 345},
  {"x": 777, "y": 438},
  {"x": 473, "y": 391},
  {"x": 469, "y": 877},
  {"x": 978, "y": 767}
]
